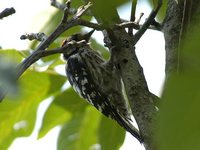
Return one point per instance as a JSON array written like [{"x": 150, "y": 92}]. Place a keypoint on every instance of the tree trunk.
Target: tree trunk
[{"x": 176, "y": 25}]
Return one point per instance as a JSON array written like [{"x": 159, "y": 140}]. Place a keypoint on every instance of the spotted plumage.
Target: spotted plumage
[{"x": 98, "y": 82}]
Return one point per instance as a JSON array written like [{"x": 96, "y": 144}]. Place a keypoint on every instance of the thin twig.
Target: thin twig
[
  {"x": 66, "y": 11},
  {"x": 95, "y": 26},
  {"x": 137, "y": 26},
  {"x": 129, "y": 25},
  {"x": 132, "y": 19},
  {"x": 34, "y": 36},
  {"x": 62, "y": 6},
  {"x": 58, "y": 5},
  {"x": 100, "y": 27},
  {"x": 7, "y": 12},
  {"x": 147, "y": 23},
  {"x": 140, "y": 17}
]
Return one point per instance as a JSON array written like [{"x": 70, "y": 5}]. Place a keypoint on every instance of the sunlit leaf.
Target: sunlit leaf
[
  {"x": 105, "y": 11},
  {"x": 64, "y": 105},
  {"x": 57, "y": 62},
  {"x": 80, "y": 132},
  {"x": 179, "y": 121},
  {"x": 111, "y": 135},
  {"x": 55, "y": 115},
  {"x": 18, "y": 114},
  {"x": 11, "y": 55},
  {"x": 179, "y": 117},
  {"x": 100, "y": 48},
  {"x": 57, "y": 82}
]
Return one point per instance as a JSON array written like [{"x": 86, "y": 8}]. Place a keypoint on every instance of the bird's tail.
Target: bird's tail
[{"x": 128, "y": 127}]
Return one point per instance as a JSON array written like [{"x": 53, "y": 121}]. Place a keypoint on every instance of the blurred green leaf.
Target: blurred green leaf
[
  {"x": 7, "y": 77},
  {"x": 55, "y": 63},
  {"x": 105, "y": 11},
  {"x": 179, "y": 122},
  {"x": 18, "y": 115},
  {"x": 51, "y": 58},
  {"x": 25, "y": 53},
  {"x": 100, "y": 48},
  {"x": 80, "y": 132},
  {"x": 57, "y": 81},
  {"x": 64, "y": 105},
  {"x": 69, "y": 134},
  {"x": 70, "y": 101},
  {"x": 55, "y": 115},
  {"x": 11, "y": 55},
  {"x": 111, "y": 135}
]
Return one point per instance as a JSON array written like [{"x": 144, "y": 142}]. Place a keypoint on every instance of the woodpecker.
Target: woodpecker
[{"x": 97, "y": 81}]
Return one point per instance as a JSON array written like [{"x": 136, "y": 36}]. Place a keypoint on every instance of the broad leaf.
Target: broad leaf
[
  {"x": 18, "y": 114},
  {"x": 111, "y": 135},
  {"x": 179, "y": 121},
  {"x": 11, "y": 55},
  {"x": 80, "y": 132},
  {"x": 105, "y": 11},
  {"x": 64, "y": 105},
  {"x": 96, "y": 46}
]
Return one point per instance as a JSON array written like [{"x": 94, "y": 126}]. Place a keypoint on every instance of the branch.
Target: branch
[
  {"x": 100, "y": 27},
  {"x": 147, "y": 23},
  {"x": 34, "y": 36},
  {"x": 7, "y": 12},
  {"x": 172, "y": 30},
  {"x": 135, "y": 25},
  {"x": 63, "y": 26},
  {"x": 62, "y": 6},
  {"x": 129, "y": 25},
  {"x": 133, "y": 9},
  {"x": 40, "y": 50}
]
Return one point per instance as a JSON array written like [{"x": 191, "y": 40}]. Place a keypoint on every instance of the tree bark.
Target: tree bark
[
  {"x": 140, "y": 99},
  {"x": 176, "y": 25},
  {"x": 171, "y": 29}
]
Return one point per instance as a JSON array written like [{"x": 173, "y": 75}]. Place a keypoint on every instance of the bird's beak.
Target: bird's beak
[{"x": 88, "y": 35}]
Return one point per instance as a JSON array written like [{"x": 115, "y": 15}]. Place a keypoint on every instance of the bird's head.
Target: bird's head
[
  {"x": 78, "y": 37},
  {"x": 75, "y": 38}
]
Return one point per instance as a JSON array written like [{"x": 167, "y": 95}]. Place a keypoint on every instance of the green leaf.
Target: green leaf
[
  {"x": 96, "y": 46},
  {"x": 179, "y": 117},
  {"x": 11, "y": 55},
  {"x": 8, "y": 60},
  {"x": 105, "y": 11},
  {"x": 111, "y": 135},
  {"x": 179, "y": 122},
  {"x": 55, "y": 115},
  {"x": 57, "y": 81},
  {"x": 18, "y": 114},
  {"x": 69, "y": 134},
  {"x": 64, "y": 105},
  {"x": 80, "y": 132},
  {"x": 70, "y": 101},
  {"x": 51, "y": 58},
  {"x": 55, "y": 63}
]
